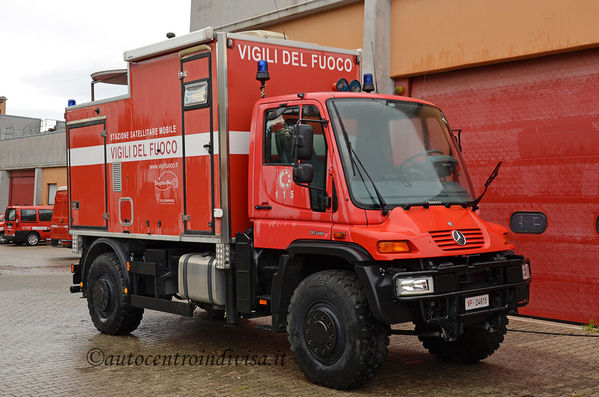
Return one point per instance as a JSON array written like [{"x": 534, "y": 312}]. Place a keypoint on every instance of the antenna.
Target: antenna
[
  {"x": 281, "y": 22},
  {"x": 376, "y": 84}
]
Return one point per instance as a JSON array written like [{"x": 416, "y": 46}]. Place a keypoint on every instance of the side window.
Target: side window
[
  {"x": 278, "y": 135},
  {"x": 28, "y": 216},
  {"x": 11, "y": 214},
  {"x": 45, "y": 215},
  {"x": 311, "y": 116}
]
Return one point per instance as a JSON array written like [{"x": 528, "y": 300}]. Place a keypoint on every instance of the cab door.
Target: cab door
[{"x": 285, "y": 211}]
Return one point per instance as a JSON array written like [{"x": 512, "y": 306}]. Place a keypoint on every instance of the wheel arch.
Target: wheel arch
[
  {"x": 303, "y": 258},
  {"x": 98, "y": 247}
]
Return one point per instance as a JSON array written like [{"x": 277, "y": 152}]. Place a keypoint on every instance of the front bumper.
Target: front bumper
[{"x": 501, "y": 279}]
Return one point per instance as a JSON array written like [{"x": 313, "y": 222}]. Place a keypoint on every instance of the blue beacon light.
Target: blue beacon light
[
  {"x": 262, "y": 66},
  {"x": 368, "y": 85},
  {"x": 71, "y": 102},
  {"x": 262, "y": 75}
]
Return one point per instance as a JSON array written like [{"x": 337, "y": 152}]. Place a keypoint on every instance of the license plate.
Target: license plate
[{"x": 475, "y": 302}]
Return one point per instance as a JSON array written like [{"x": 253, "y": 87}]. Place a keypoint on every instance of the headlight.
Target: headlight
[{"x": 414, "y": 286}]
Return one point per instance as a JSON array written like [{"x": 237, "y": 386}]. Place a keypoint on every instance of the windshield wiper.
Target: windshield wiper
[
  {"x": 487, "y": 183},
  {"x": 427, "y": 204},
  {"x": 353, "y": 158}
]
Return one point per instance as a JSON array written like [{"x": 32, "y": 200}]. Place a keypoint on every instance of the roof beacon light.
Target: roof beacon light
[
  {"x": 342, "y": 85},
  {"x": 71, "y": 102},
  {"x": 354, "y": 86},
  {"x": 262, "y": 75},
  {"x": 368, "y": 85}
]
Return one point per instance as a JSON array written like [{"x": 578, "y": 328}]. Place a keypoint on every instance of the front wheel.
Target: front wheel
[
  {"x": 334, "y": 337},
  {"x": 477, "y": 342},
  {"x": 107, "y": 302},
  {"x": 33, "y": 239}
]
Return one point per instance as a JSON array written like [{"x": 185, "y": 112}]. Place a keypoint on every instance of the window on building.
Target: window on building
[{"x": 51, "y": 193}]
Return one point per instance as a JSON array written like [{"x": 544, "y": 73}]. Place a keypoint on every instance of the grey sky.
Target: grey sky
[{"x": 49, "y": 48}]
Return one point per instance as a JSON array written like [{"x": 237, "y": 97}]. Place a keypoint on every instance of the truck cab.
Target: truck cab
[{"x": 383, "y": 192}]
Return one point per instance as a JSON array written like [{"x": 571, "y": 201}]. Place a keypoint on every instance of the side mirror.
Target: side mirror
[
  {"x": 303, "y": 134},
  {"x": 303, "y": 173}
]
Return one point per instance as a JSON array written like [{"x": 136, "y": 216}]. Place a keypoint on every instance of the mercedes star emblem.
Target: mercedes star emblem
[{"x": 458, "y": 237}]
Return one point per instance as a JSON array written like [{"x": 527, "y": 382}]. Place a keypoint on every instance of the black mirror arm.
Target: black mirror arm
[
  {"x": 311, "y": 187},
  {"x": 326, "y": 197},
  {"x": 457, "y": 135}
]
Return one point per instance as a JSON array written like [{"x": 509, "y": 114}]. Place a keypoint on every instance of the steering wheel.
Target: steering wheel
[{"x": 413, "y": 166}]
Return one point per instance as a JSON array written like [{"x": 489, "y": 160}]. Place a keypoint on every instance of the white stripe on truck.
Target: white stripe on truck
[{"x": 158, "y": 148}]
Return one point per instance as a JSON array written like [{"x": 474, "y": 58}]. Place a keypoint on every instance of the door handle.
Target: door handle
[{"x": 263, "y": 207}]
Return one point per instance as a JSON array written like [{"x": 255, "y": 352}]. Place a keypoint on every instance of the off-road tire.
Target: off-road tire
[
  {"x": 336, "y": 298},
  {"x": 32, "y": 239},
  {"x": 107, "y": 302},
  {"x": 475, "y": 344}
]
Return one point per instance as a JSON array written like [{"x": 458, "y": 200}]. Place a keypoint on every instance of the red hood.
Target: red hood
[{"x": 429, "y": 231}]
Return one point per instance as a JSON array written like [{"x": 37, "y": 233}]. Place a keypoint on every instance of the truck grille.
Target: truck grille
[{"x": 445, "y": 241}]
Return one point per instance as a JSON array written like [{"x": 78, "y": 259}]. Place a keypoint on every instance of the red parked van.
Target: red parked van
[
  {"x": 59, "y": 235},
  {"x": 2, "y": 239},
  {"x": 27, "y": 224}
]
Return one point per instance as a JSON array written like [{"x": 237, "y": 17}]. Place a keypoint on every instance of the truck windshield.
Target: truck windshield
[{"x": 404, "y": 147}]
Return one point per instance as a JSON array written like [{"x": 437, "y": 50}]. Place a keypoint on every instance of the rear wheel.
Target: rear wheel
[
  {"x": 32, "y": 239},
  {"x": 106, "y": 300},
  {"x": 477, "y": 342},
  {"x": 334, "y": 337}
]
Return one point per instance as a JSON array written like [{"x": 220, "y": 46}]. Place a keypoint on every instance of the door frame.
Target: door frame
[
  {"x": 70, "y": 127},
  {"x": 209, "y": 105}
]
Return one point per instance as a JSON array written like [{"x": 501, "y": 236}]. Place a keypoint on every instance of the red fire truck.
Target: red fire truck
[
  {"x": 337, "y": 212},
  {"x": 59, "y": 234}
]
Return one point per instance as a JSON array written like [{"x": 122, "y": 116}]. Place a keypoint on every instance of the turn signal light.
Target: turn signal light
[{"x": 393, "y": 247}]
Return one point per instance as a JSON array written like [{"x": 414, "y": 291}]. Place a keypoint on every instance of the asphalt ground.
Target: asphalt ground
[{"x": 49, "y": 346}]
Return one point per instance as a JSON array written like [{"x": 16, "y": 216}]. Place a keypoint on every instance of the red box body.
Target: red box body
[{"x": 149, "y": 166}]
